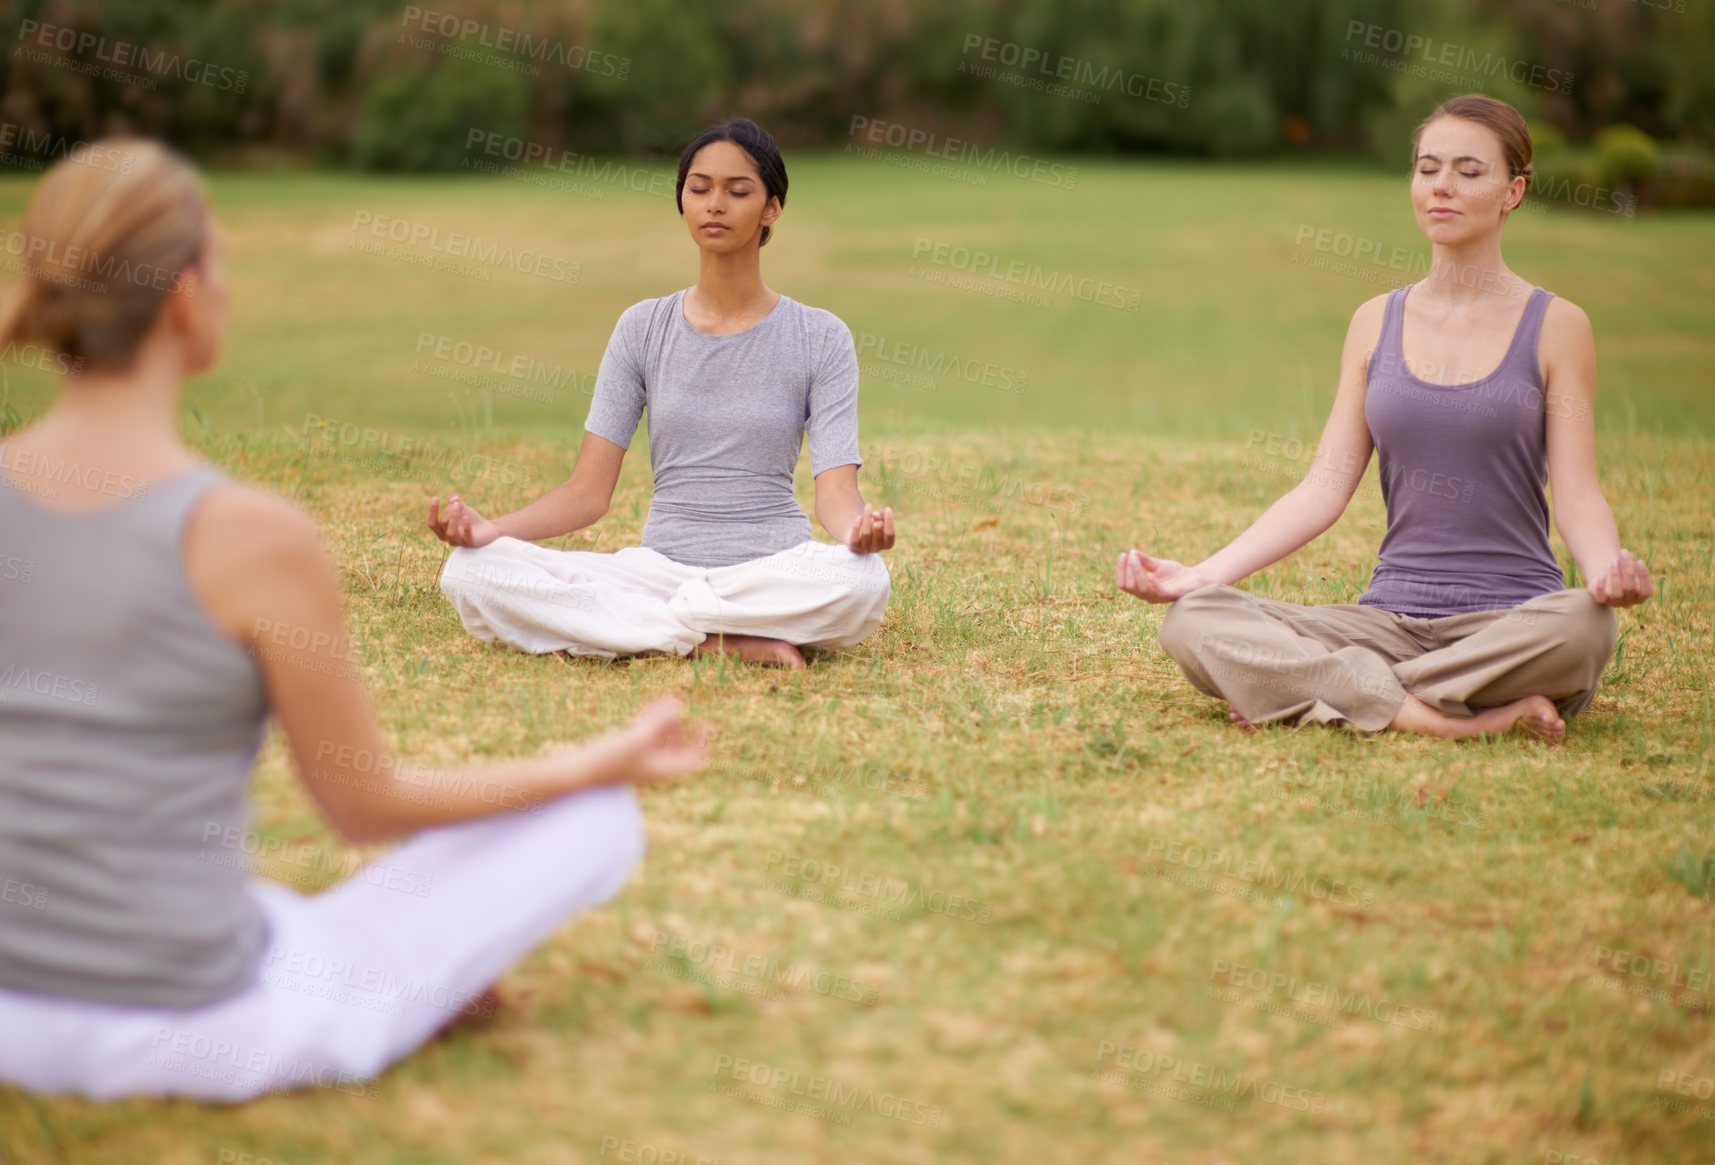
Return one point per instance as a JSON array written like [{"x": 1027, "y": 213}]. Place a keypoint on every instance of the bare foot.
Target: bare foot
[
  {"x": 1233, "y": 715},
  {"x": 1540, "y": 719},
  {"x": 753, "y": 649},
  {"x": 1535, "y": 715}
]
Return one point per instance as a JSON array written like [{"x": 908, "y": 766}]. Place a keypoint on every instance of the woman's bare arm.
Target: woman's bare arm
[
  {"x": 1302, "y": 514},
  {"x": 579, "y": 501},
  {"x": 257, "y": 566},
  {"x": 1582, "y": 515},
  {"x": 844, "y": 514}
]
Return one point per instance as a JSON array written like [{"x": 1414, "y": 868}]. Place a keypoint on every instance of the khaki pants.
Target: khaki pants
[{"x": 1352, "y": 664}]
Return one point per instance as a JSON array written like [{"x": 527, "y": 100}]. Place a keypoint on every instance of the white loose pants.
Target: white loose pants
[
  {"x": 352, "y": 978},
  {"x": 537, "y": 599}
]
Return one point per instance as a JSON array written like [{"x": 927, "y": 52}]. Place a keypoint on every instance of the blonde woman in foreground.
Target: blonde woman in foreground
[{"x": 158, "y": 616}]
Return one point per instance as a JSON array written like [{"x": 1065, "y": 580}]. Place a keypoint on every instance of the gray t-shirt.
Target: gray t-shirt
[{"x": 727, "y": 418}]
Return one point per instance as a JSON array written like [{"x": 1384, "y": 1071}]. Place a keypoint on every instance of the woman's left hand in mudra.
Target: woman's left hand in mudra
[
  {"x": 1626, "y": 583},
  {"x": 872, "y": 531}
]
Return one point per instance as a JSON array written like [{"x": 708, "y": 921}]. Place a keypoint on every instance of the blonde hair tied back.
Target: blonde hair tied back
[{"x": 107, "y": 236}]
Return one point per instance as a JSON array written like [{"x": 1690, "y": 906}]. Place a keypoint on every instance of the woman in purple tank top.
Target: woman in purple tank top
[{"x": 1475, "y": 389}]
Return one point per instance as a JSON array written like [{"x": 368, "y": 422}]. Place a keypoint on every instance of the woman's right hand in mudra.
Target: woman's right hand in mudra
[
  {"x": 460, "y": 525},
  {"x": 1155, "y": 580},
  {"x": 660, "y": 744}
]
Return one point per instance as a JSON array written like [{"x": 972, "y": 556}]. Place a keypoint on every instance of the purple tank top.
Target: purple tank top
[{"x": 1463, "y": 468}]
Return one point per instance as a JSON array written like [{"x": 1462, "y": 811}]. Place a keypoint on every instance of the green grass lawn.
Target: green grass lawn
[{"x": 1405, "y": 951}]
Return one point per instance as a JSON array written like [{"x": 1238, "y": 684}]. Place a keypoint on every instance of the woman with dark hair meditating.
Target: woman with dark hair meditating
[
  {"x": 733, "y": 375},
  {"x": 1476, "y": 389}
]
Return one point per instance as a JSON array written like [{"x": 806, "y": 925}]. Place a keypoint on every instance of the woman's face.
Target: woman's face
[
  {"x": 1459, "y": 184},
  {"x": 725, "y": 203}
]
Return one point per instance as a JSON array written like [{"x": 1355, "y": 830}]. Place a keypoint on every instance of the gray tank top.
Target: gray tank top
[
  {"x": 129, "y": 726},
  {"x": 1463, "y": 468}
]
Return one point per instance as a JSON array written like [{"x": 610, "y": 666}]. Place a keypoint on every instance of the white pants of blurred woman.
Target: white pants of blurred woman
[
  {"x": 353, "y": 978},
  {"x": 815, "y": 594}
]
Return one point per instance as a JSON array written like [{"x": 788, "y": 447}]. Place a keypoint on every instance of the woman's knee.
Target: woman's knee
[
  {"x": 612, "y": 813},
  {"x": 1191, "y": 622},
  {"x": 1585, "y": 631},
  {"x": 472, "y": 570},
  {"x": 873, "y": 582},
  {"x": 862, "y": 581},
  {"x": 456, "y": 573}
]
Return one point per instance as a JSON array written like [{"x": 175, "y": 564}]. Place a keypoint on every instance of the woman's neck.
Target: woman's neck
[
  {"x": 730, "y": 287},
  {"x": 1471, "y": 274},
  {"x": 126, "y": 421}
]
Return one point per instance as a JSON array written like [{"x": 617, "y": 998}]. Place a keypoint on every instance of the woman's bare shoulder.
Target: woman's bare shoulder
[
  {"x": 250, "y": 554},
  {"x": 1563, "y": 318},
  {"x": 244, "y": 521},
  {"x": 1365, "y": 330}
]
